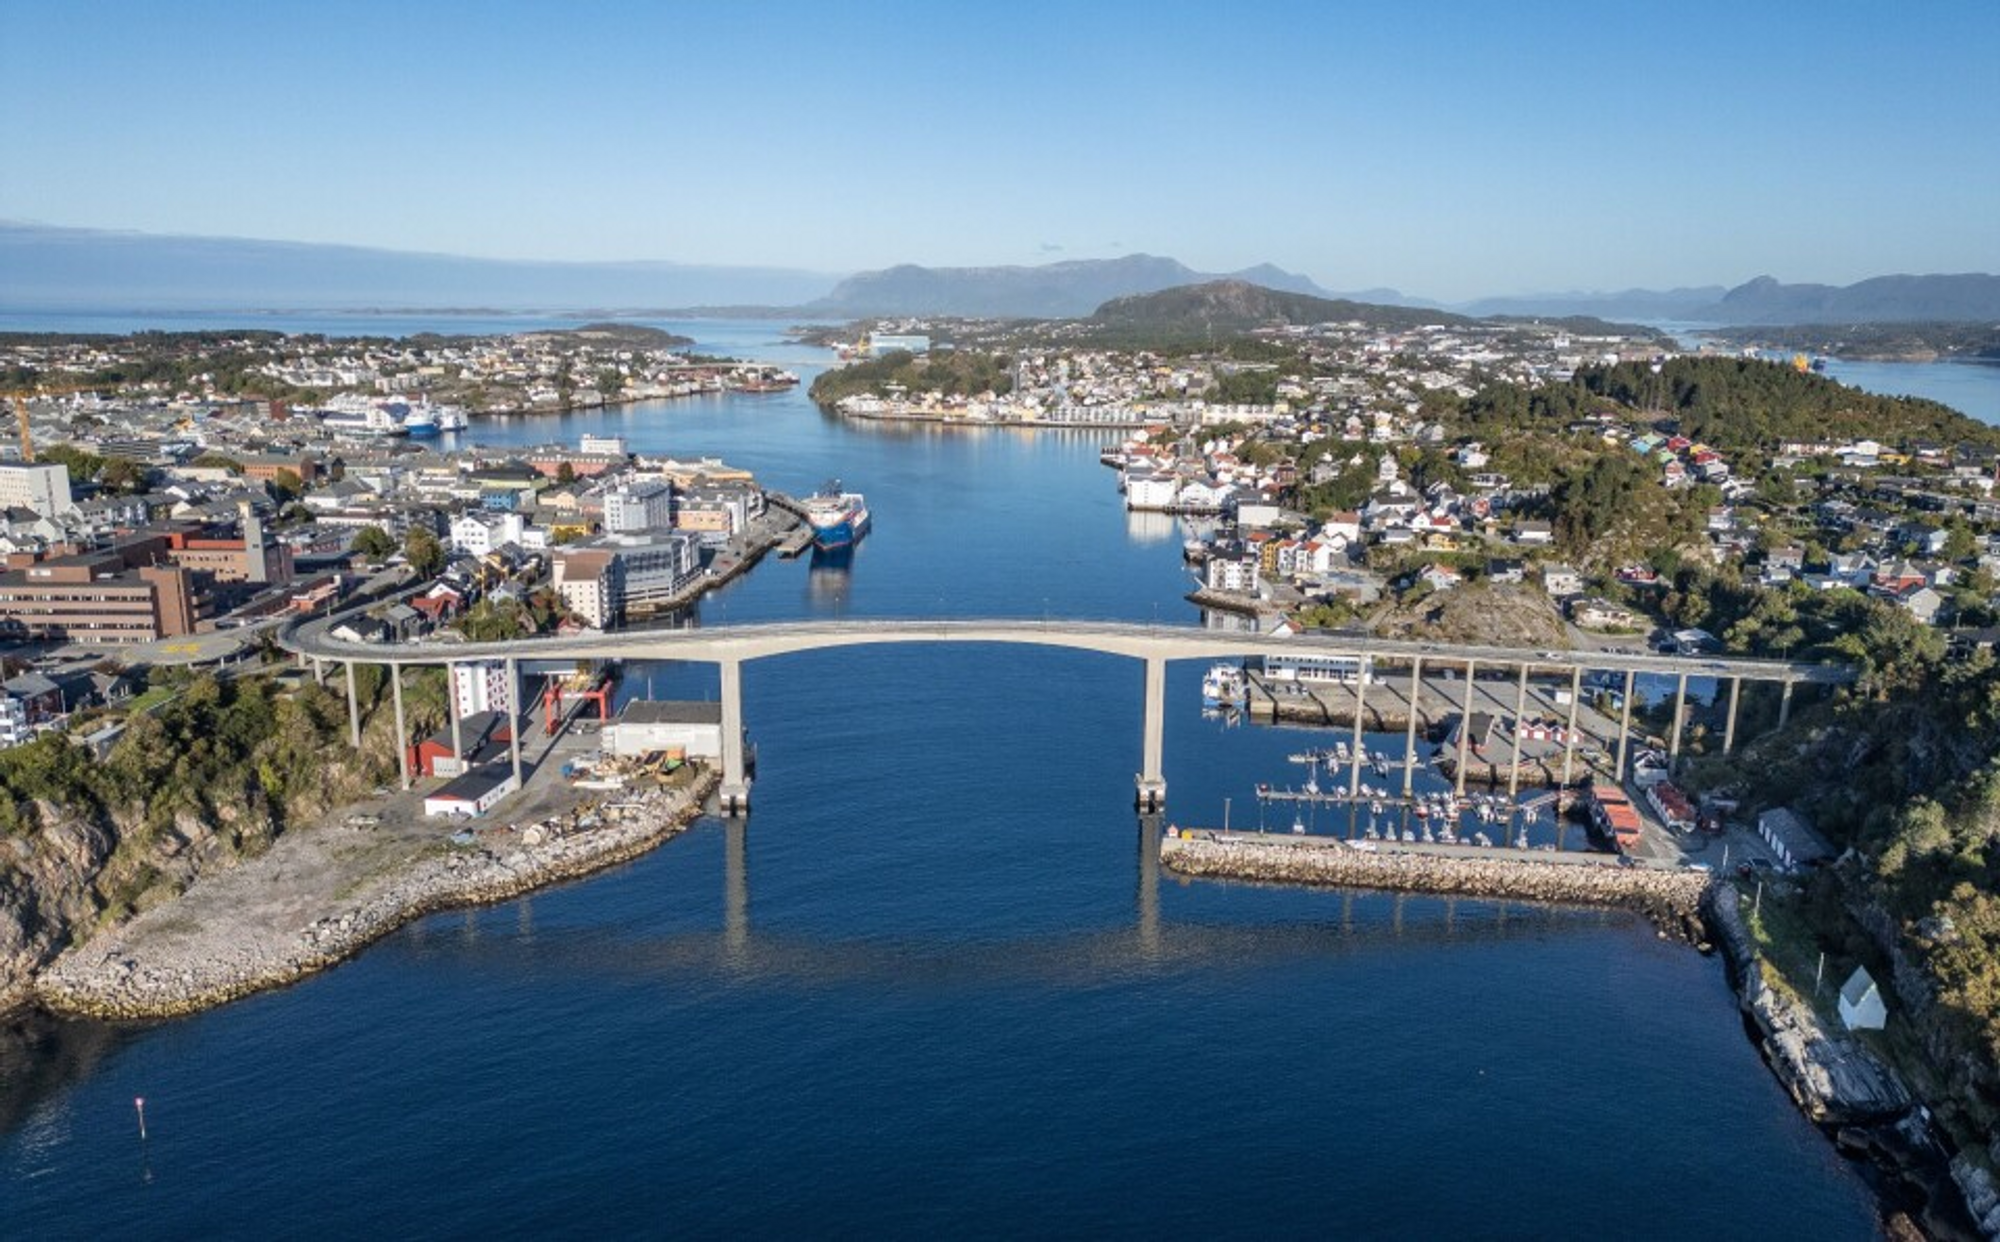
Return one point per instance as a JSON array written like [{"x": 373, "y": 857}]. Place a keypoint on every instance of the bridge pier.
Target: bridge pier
[
  {"x": 1680, "y": 724},
  {"x": 1361, "y": 674},
  {"x": 734, "y": 795},
  {"x": 1410, "y": 734},
  {"x": 402, "y": 733},
  {"x": 1624, "y": 728},
  {"x": 1729, "y": 722},
  {"x": 1785, "y": 705},
  {"x": 1520, "y": 708},
  {"x": 1152, "y": 782},
  {"x": 517, "y": 718},
  {"x": 353, "y": 708},
  {"x": 1464, "y": 727},
  {"x": 1569, "y": 735},
  {"x": 457, "y": 723}
]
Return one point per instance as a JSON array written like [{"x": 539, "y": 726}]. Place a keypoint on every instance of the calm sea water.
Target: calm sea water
[{"x": 934, "y": 985}]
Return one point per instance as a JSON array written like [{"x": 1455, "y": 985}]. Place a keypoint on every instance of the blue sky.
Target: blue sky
[{"x": 1449, "y": 150}]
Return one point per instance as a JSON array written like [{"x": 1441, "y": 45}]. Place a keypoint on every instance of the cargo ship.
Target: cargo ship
[{"x": 838, "y": 518}]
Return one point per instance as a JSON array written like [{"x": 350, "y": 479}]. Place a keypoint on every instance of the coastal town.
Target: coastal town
[{"x": 1538, "y": 488}]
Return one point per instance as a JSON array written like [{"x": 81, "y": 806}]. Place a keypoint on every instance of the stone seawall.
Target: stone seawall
[
  {"x": 1672, "y": 899},
  {"x": 102, "y": 980}
]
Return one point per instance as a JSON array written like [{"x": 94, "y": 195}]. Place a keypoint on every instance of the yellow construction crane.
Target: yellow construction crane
[{"x": 21, "y": 397}]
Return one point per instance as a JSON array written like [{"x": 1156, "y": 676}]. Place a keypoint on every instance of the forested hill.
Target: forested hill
[
  {"x": 1733, "y": 404},
  {"x": 1745, "y": 403},
  {"x": 1231, "y": 306}
]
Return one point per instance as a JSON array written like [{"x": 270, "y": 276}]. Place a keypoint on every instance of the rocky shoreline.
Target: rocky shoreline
[
  {"x": 103, "y": 979},
  {"x": 1671, "y": 898},
  {"x": 1851, "y": 1094}
]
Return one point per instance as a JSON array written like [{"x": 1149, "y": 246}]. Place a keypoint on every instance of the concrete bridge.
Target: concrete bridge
[{"x": 729, "y": 647}]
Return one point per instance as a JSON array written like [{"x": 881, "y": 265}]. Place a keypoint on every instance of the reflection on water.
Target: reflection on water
[
  {"x": 827, "y": 578},
  {"x": 1145, "y": 526}
]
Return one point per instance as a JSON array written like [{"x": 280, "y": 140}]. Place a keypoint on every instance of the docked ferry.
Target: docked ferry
[{"x": 838, "y": 518}]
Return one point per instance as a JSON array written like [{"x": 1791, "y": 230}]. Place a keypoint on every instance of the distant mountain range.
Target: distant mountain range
[
  {"x": 1227, "y": 306},
  {"x": 43, "y": 268},
  {"x": 1968, "y": 297},
  {"x": 1652, "y": 304},
  {"x": 48, "y": 268},
  {"x": 1050, "y": 291}
]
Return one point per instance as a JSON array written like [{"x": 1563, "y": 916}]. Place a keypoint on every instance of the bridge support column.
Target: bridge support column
[
  {"x": 1361, "y": 671},
  {"x": 457, "y": 722},
  {"x": 1520, "y": 708},
  {"x": 1680, "y": 724},
  {"x": 1569, "y": 735},
  {"x": 353, "y": 708},
  {"x": 1152, "y": 783},
  {"x": 1729, "y": 721},
  {"x": 402, "y": 733},
  {"x": 1410, "y": 734},
  {"x": 1464, "y": 726},
  {"x": 1785, "y": 705},
  {"x": 1624, "y": 727},
  {"x": 516, "y": 718},
  {"x": 319, "y": 671},
  {"x": 735, "y": 791}
]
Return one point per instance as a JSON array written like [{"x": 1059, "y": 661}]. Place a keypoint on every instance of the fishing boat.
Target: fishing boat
[{"x": 1224, "y": 685}]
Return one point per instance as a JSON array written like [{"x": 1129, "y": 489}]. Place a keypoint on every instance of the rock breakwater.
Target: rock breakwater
[
  {"x": 166, "y": 976},
  {"x": 1671, "y": 898}
]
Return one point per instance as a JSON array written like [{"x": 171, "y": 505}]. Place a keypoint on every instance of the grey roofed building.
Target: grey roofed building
[
  {"x": 1795, "y": 841},
  {"x": 672, "y": 711}
]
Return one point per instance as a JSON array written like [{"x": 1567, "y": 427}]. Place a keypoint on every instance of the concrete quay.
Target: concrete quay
[
  {"x": 172, "y": 962},
  {"x": 1671, "y": 897}
]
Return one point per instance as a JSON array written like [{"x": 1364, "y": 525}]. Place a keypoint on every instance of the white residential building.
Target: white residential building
[
  {"x": 479, "y": 533},
  {"x": 41, "y": 486},
  {"x": 482, "y": 687},
  {"x": 641, "y": 505}
]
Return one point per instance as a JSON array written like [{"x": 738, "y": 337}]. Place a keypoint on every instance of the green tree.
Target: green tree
[
  {"x": 286, "y": 485},
  {"x": 374, "y": 543},
  {"x": 424, "y": 552}
]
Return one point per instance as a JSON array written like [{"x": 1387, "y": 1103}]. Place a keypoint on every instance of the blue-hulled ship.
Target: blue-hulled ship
[{"x": 838, "y": 518}]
